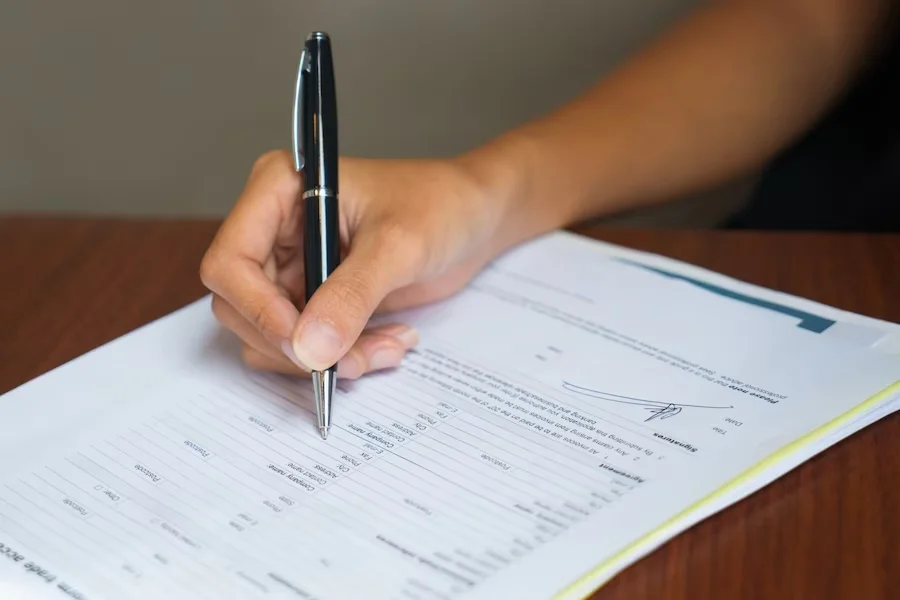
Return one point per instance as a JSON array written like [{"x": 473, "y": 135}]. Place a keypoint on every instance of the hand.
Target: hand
[{"x": 412, "y": 232}]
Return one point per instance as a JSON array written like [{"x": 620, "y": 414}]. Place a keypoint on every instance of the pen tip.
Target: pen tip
[{"x": 324, "y": 432}]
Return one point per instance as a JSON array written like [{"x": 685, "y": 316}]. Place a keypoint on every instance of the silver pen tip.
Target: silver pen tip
[{"x": 323, "y": 387}]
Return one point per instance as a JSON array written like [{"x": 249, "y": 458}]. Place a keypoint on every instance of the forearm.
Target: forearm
[{"x": 716, "y": 96}]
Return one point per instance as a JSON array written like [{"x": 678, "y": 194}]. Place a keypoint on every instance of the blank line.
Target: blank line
[
  {"x": 85, "y": 521},
  {"x": 379, "y": 398},
  {"x": 180, "y": 474},
  {"x": 67, "y": 526},
  {"x": 394, "y": 511},
  {"x": 282, "y": 489},
  {"x": 546, "y": 449},
  {"x": 474, "y": 493},
  {"x": 511, "y": 475},
  {"x": 103, "y": 515},
  {"x": 400, "y": 525},
  {"x": 534, "y": 521},
  {"x": 567, "y": 453},
  {"x": 282, "y": 400},
  {"x": 302, "y": 452},
  {"x": 304, "y": 493},
  {"x": 236, "y": 441},
  {"x": 165, "y": 540},
  {"x": 593, "y": 475},
  {"x": 497, "y": 517},
  {"x": 506, "y": 509},
  {"x": 502, "y": 490},
  {"x": 140, "y": 461},
  {"x": 45, "y": 544},
  {"x": 436, "y": 492},
  {"x": 353, "y": 449},
  {"x": 333, "y": 440},
  {"x": 186, "y": 463},
  {"x": 218, "y": 455},
  {"x": 227, "y": 518},
  {"x": 57, "y": 533},
  {"x": 193, "y": 523}
]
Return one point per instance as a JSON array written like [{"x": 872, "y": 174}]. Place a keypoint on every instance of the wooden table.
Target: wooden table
[{"x": 829, "y": 529}]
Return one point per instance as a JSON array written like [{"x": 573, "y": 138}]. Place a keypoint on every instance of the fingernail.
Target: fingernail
[
  {"x": 407, "y": 336},
  {"x": 318, "y": 345},
  {"x": 289, "y": 352},
  {"x": 386, "y": 358}
]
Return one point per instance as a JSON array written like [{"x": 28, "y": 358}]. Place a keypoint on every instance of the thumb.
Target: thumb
[{"x": 378, "y": 263}]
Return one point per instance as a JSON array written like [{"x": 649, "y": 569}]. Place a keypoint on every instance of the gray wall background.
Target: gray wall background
[{"x": 159, "y": 108}]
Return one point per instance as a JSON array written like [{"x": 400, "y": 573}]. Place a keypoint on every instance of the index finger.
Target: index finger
[{"x": 233, "y": 266}]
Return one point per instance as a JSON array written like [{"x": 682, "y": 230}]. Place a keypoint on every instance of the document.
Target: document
[{"x": 573, "y": 408}]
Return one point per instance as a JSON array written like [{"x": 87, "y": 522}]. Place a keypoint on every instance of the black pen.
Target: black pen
[{"x": 316, "y": 153}]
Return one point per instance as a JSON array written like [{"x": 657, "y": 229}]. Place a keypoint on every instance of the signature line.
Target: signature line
[{"x": 658, "y": 410}]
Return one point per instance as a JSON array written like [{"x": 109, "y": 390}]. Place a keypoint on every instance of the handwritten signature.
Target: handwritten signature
[{"x": 657, "y": 410}]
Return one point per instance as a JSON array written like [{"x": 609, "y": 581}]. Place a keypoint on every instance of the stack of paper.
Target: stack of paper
[{"x": 575, "y": 407}]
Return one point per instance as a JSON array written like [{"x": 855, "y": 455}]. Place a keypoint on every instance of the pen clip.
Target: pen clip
[{"x": 298, "y": 108}]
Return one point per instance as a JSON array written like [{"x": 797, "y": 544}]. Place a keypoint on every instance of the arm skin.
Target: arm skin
[{"x": 715, "y": 97}]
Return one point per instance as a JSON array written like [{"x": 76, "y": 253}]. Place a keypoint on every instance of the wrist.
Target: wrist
[{"x": 505, "y": 171}]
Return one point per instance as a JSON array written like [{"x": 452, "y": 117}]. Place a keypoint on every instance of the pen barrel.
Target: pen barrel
[
  {"x": 320, "y": 114},
  {"x": 320, "y": 168},
  {"x": 321, "y": 239}
]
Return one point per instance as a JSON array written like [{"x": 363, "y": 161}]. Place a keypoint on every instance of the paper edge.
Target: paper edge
[
  {"x": 690, "y": 268},
  {"x": 595, "y": 578}
]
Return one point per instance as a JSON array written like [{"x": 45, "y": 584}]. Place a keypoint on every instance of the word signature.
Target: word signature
[{"x": 657, "y": 410}]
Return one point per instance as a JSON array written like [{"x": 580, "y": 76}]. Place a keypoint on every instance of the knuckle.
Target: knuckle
[
  {"x": 209, "y": 269},
  {"x": 264, "y": 160},
  {"x": 269, "y": 160},
  {"x": 274, "y": 172}
]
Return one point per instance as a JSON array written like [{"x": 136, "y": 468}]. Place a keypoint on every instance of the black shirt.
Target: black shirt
[{"x": 844, "y": 174}]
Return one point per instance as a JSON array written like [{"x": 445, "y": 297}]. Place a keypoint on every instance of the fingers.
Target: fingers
[
  {"x": 335, "y": 316},
  {"x": 233, "y": 267},
  {"x": 377, "y": 349},
  {"x": 249, "y": 335},
  {"x": 256, "y": 279},
  {"x": 275, "y": 364}
]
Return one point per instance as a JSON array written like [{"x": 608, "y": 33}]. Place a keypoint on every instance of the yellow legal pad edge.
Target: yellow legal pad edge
[{"x": 577, "y": 591}]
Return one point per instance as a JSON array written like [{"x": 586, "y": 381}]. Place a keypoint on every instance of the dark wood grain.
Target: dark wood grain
[{"x": 829, "y": 529}]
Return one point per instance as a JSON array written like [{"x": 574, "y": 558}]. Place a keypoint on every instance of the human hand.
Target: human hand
[{"x": 412, "y": 232}]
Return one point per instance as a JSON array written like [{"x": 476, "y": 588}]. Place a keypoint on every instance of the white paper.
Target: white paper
[{"x": 563, "y": 407}]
